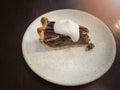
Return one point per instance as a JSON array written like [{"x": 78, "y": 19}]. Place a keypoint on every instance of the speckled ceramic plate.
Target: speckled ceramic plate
[{"x": 71, "y": 66}]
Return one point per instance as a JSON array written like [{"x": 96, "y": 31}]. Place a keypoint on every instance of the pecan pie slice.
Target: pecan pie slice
[{"x": 57, "y": 41}]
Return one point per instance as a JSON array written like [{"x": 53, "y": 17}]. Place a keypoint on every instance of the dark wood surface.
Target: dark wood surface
[{"x": 16, "y": 15}]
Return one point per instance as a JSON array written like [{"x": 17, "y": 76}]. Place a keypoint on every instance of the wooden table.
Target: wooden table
[{"x": 16, "y": 15}]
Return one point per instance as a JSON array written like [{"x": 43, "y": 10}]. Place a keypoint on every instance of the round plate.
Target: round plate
[{"x": 70, "y": 66}]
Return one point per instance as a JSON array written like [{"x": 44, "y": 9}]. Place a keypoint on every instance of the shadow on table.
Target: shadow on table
[{"x": 60, "y": 87}]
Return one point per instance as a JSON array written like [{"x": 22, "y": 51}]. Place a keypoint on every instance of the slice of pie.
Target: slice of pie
[{"x": 49, "y": 38}]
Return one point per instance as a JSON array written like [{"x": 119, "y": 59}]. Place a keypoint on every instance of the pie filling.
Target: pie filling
[{"x": 54, "y": 40}]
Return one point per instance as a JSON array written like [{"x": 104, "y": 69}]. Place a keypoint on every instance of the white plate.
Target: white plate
[{"x": 71, "y": 66}]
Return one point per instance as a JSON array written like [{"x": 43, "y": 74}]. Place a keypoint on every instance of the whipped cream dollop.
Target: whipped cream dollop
[{"x": 67, "y": 28}]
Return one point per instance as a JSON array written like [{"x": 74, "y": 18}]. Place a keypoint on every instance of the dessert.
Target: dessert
[{"x": 63, "y": 33}]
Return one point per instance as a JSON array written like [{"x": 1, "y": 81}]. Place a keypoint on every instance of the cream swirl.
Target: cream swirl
[{"x": 67, "y": 28}]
